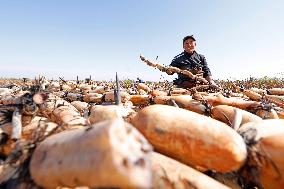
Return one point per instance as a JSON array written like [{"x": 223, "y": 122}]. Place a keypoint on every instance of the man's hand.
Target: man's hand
[
  {"x": 170, "y": 70},
  {"x": 213, "y": 85}
]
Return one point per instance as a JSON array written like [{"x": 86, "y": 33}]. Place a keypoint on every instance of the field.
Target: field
[{"x": 130, "y": 134}]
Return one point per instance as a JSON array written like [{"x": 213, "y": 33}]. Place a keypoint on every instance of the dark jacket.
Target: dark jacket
[{"x": 190, "y": 62}]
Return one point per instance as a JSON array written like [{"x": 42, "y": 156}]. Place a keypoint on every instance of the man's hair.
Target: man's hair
[{"x": 188, "y": 37}]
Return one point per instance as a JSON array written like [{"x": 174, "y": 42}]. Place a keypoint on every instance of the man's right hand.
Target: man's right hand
[{"x": 170, "y": 71}]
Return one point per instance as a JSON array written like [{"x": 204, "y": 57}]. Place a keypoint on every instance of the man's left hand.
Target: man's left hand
[{"x": 213, "y": 85}]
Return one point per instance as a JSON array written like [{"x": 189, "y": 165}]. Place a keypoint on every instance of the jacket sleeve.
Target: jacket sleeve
[
  {"x": 205, "y": 68},
  {"x": 175, "y": 63}
]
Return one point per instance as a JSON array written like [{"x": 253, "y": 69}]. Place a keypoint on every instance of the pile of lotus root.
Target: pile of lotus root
[{"x": 76, "y": 134}]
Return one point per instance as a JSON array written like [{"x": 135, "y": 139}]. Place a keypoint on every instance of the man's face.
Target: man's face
[{"x": 189, "y": 45}]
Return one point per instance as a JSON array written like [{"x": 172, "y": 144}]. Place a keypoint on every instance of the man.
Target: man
[{"x": 192, "y": 61}]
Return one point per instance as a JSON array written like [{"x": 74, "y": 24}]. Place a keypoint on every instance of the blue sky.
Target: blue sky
[{"x": 66, "y": 38}]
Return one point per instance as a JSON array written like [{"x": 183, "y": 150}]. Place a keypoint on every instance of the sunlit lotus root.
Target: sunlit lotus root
[
  {"x": 278, "y": 100},
  {"x": 68, "y": 116},
  {"x": 80, "y": 106},
  {"x": 109, "y": 96},
  {"x": 179, "y": 91},
  {"x": 93, "y": 97},
  {"x": 275, "y": 91},
  {"x": 267, "y": 114},
  {"x": 183, "y": 101},
  {"x": 140, "y": 99},
  {"x": 69, "y": 158},
  {"x": 226, "y": 114},
  {"x": 51, "y": 103},
  {"x": 191, "y": 138},
  {"x": 155, "y": 93},
  {"x": 169, "y": 173},
  {"x": 143, "y": 87},
  {"x": 100, "y": 89},
  {"x": 269, "y": 135},
  {"x": 232, "y": 101},
  {"x": 73, "y": 96},
  {"x": 259, "y": 91},
  {"x": 252, "y": 95},
  {"x": 101, "y": 113}
]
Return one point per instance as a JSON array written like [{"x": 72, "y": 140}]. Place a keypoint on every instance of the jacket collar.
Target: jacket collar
[{"x": 188, "y": 54}]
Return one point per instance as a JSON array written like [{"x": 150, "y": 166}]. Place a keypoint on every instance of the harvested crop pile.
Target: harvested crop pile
[{"x": 77, "y": 134}]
